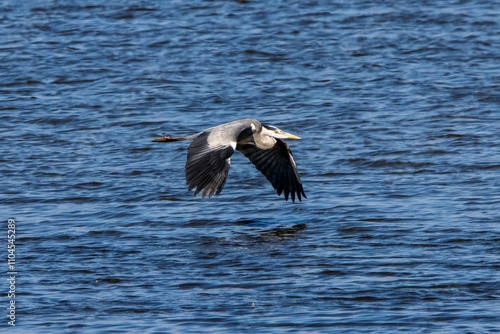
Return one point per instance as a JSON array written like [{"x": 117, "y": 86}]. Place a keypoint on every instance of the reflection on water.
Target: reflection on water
[{"x": 282, "y": 233}]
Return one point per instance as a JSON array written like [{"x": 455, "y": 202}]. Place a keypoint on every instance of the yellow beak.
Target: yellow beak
[{"x": 290, "y": 136}]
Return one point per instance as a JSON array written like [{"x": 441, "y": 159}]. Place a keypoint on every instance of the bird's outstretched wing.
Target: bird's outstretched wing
[
  {"x": 207, "y": 165},
  {"x": 277, "y": 165}
]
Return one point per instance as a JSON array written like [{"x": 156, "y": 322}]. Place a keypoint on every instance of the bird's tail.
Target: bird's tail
[{"x": 169, "y": 138}]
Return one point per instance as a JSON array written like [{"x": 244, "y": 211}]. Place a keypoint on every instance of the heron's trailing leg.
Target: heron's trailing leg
[{"x": 169, "y": 138}]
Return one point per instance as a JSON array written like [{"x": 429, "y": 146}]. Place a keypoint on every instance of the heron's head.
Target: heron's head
[{"x": 273, "y": 131}]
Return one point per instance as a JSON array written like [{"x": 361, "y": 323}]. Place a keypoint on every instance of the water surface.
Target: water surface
[{"x": 398, "y": 107}]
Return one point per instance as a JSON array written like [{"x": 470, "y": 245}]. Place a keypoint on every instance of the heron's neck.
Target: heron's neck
[{"x": 264, "y": 139}]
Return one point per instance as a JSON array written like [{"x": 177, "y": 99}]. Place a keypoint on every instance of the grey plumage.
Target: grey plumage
[{"x": 209, "y": 155}]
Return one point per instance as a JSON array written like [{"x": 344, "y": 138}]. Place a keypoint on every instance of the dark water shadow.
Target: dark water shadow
[{"x": 276, "y": 234}]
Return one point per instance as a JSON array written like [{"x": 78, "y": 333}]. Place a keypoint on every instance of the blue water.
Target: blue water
[{"x": 398, "y": 105}]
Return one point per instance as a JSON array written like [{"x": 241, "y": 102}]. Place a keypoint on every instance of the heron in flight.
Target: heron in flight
[{"x": 209, "y": 155}]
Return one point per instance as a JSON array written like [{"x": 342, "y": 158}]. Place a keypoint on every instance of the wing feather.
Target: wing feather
[
  {"x": 207, "y": 167},
  {"x": 278, "y": 166}
]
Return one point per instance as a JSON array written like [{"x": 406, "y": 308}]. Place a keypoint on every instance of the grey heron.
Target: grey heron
[{"x": 209, "y": 155}]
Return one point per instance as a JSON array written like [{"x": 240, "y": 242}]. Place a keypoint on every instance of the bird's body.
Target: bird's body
[{"x": 210, "y": 153}]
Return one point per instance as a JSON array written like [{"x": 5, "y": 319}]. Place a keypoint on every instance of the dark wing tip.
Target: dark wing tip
[{"x": 296, "y": 193}]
